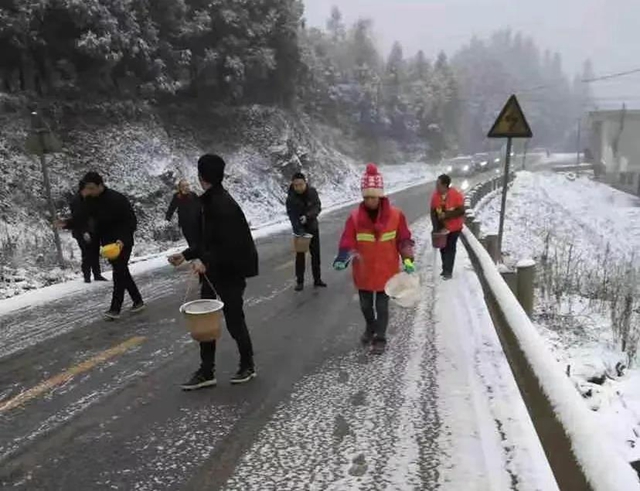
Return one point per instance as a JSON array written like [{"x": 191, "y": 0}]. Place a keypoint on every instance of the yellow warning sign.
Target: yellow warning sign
[{"x": 511, "y": 122}]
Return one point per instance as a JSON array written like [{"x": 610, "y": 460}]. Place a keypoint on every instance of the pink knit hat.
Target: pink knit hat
[{"x": 372, "y": 184}]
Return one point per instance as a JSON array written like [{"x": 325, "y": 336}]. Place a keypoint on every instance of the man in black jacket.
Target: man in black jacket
[
  {"x": 303, "y": 208},
  {"x": 188, "y": 206},
  {"x": 227, "y": 255},
  {"x": 84, "y": 234},
  {"x": 115, "y": 222}
]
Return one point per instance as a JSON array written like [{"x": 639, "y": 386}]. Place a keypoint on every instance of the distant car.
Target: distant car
[
  {"x": 460, "y": 167},
  {"x": 481, "y": 162},
  {"x": 495, "y": 161}
]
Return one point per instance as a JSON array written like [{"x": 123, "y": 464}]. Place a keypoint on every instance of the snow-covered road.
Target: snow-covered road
[{"x": 439, "y": 410}]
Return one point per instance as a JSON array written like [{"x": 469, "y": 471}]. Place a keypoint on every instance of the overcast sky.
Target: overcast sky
[{"x": 607, "y": 31}]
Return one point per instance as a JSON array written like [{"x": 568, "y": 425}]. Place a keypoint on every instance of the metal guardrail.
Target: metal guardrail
[{"x": 579, "y": 455}]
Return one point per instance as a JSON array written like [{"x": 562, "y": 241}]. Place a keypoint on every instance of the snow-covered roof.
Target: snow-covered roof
[{"x": 614, "y": 114}]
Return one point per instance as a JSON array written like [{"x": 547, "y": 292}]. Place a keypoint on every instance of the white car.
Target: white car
[{"x": 459, "y": 167}]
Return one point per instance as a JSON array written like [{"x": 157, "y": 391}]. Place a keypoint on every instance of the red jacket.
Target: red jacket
[
  {"x": 378, "y": 246},
  {"x": 452, "y": 200}
]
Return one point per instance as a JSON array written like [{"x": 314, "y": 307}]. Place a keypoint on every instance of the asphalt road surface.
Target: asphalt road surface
[{"x": 86, "y": 404}]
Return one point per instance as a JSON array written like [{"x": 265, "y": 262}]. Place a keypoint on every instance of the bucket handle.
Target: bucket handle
[{"x": 190, "y": 285}]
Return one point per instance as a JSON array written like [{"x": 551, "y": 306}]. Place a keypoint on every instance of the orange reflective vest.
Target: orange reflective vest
[{"x": 377, "y": 259}]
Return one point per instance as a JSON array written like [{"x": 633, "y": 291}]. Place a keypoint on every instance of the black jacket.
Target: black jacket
[
  {"x": 113, "y": 216},
  {"x": 188, "y": 207},
  {"x": 79, "y": 217},
  {"x": 225, "y": 243},
  {"x": 306, "y": 204}
]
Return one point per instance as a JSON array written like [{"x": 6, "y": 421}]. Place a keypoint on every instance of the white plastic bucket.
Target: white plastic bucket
[
  {"x": 404, "y": 289},
  {"x": 203, "y": 319}
]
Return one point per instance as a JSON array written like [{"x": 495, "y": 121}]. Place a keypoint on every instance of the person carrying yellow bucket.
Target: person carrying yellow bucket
[{"x": 115, "y": 223}]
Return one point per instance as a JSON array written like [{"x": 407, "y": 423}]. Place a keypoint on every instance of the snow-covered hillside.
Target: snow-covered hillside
[{"x": 585, "y": 237}]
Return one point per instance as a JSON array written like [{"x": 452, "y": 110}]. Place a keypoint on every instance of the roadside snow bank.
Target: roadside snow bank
[
  {"x": 585, "y": 237},
  {"x": 603, "y": 466},
  {"x": 584, "y": 213}
]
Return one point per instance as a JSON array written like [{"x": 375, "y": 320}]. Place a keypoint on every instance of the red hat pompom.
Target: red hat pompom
[{"x": 372, "y": 183}]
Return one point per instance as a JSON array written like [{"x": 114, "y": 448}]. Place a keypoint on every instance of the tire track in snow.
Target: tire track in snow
[
  {"x": 490, "y": 443},
  {"x": 20, "y": 331},
  {"x": 525, "y": 461}
]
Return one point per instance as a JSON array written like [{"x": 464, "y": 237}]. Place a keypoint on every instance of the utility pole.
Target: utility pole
[
  {"x": 578, "y": 142},
  {"x": 40, "y": 142}
]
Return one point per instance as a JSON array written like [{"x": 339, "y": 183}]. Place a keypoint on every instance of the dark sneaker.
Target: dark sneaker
[
  {"x": 378, "y": 346},
  {"x": 112, "y": 315},
  {"x": 138, "y": 307},
  {"x": 299, "y": 287},
  {"x": 100, "y": 278},
  {"x": 244, "y": 375},
  {"x": 366, "y": 338},
  {"x": 447, "y": 276},
  {"x": 87, "y": 280},
  {"x": 319, "y": 284},
  {"x": 200, "y": 380}
]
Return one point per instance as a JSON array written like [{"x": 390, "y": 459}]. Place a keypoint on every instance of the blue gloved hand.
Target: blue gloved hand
[
  {"x": 409, "y": 267},
  {"x": 339, "y": 265},
  {"x": 342, "y": 261}
]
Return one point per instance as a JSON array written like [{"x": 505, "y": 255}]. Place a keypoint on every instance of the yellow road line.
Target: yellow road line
[
  {"x": 287, "y": 265},
  {"x": 68, "y": 374}
]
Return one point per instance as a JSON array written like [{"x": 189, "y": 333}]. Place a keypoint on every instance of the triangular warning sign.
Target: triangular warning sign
[{"x": 511, "y": 123}]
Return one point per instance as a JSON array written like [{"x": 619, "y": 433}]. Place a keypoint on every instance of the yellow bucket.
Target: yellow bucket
[
  {"x": 111, "y": 251},
  {"x": 203, "y": 319}
]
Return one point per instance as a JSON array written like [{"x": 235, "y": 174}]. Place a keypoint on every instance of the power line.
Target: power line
[
  {"x": 584, "y": 80},
  {"x": 612, "y": 75}
]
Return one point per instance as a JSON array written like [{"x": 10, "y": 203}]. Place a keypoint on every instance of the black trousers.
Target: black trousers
[
  {"x": 123, "y": 281},
  {"x": 314, "y": 250},
  {"x": 448, "y": 254},
  {"x": 190, "y": 232},
  {"x": 90, "y": 258},
  {"x": 375, "y": 308},
  {"x": 231, "y": 292}
]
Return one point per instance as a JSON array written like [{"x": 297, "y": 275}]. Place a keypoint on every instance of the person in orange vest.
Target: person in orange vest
[
  {"x": 375, "y": 238},
  {"x": 447, "y": 212}
]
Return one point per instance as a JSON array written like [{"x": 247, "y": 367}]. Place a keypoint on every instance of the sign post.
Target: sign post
[
  {"x": 40, "y": 142},
  {"x": 511, "y": 123}
]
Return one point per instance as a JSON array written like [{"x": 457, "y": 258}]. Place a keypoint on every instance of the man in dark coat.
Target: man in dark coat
[
  {"x": 188, "y": 206},
  {"x": 303, "y": 208},
  {"x": 225, "y": 256},
  {"x": 115, "y": 222},
  {"x": 85, "y": 235}
]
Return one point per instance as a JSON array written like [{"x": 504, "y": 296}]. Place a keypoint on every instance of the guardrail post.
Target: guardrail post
[
  {"x": 477, "y": 228},
  {"x": 483, "y": 242},
  {"x": 510, "y": 277},
  {"x": 474, "y": 226},
  {"x": 526, "y": 278},
  {"x": 492, "y": 247}
]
